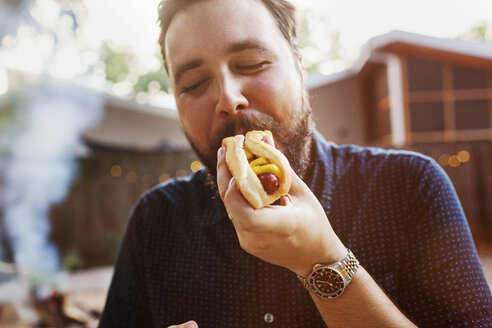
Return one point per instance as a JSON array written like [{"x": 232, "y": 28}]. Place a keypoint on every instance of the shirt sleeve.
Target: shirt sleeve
[
  {"x": 441, "y": 280},
  {"x": 127, "y": 304}
]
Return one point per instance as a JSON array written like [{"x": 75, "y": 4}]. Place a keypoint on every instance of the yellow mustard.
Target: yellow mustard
[
  {"x": 261, "y": 165},
  {"x": 269, "y": 168}
]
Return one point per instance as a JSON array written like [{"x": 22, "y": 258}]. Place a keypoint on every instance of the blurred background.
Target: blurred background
[{"x": 87, "y": 125}]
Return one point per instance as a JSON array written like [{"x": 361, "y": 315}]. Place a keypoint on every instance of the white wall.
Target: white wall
[{"x": 339, "y": 111}]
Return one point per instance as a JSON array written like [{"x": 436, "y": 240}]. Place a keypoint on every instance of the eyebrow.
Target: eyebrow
[{"x": 247, "y": 44}]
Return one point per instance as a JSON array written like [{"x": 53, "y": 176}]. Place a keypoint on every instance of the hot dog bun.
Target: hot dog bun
[{"x": 248, "y": 182}]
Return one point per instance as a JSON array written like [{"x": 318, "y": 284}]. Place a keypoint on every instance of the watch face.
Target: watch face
[{"x": 326, "y": 282}]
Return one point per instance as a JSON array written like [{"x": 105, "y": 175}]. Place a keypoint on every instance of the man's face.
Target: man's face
[{"x": 232, "y": 71}]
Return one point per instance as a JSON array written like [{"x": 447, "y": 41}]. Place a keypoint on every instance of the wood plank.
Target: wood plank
[
  {"x": 406, "y": 99},
  {"x": 425, "y": 96},
  {"x": 490, "y": 103},
  {"x": 383, "y": 104},
  {"x": 472, "y": 94},
  {"x": 470, "y": 135},
  {"x": 448, "y": 102}
]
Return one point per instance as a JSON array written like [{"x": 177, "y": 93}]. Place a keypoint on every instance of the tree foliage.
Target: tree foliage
[
  {"x": 481, "y": 31},
  {"x": 121, "y": 64},
  {"x": 116, "y": 63},
  {"x": 159, "y": 76}
]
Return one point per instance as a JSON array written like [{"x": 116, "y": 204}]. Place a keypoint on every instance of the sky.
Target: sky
[
  {"x": 359, "y": 20},
  {"x": 356, "y": 21},
  {"x": 132, "y": 25}
]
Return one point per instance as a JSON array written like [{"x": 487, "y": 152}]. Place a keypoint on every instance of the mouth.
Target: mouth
[{"x": 242, "y": 131}]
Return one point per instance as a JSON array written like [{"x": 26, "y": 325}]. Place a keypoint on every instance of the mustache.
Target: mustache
[{"x": 241, "y": 124}]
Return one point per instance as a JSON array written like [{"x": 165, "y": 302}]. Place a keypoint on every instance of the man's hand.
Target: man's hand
[
  {"x": 189, "y": 324},
  {"x": 295, "y": 234}
]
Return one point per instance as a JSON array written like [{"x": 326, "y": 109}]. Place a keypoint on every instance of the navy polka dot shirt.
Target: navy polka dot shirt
[{"x": 397, "y": 211}]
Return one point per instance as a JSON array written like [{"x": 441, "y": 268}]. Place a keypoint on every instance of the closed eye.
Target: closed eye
[
  {"x": 194, "y": 86},
  {"x": 253, "y": 67}
]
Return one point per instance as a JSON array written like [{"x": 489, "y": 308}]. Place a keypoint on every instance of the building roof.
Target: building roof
[
  {"x": 120, "y": 123},
  {"x": 468, "y": 48},
  {"x": 397, "y": 40}
]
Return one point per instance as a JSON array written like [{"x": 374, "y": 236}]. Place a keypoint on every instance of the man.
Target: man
[{"x": 195, "y": 253}]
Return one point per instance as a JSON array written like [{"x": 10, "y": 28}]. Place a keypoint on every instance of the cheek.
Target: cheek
[
  {"x": 280, "y": 93},
  {"x": 194, "y": 119}
]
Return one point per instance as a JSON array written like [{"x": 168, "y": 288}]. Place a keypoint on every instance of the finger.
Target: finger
[
  {"x": 268, "y": 139},
  {"x": 235, "y": 203},
  {"x": 228, "y": 190},
  {"x": 285, "y": 200},
  {"x": 189, "y": 324},
  {"x": 223, "y": 174}
]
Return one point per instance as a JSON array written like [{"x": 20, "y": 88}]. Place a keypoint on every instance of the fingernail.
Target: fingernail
[
  {"x": 191, "y": 324},
  {"x": 221, "y": 152}
]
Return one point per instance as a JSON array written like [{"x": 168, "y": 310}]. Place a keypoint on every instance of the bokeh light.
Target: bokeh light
[
  {"x": 115, "y": 171},
  {"x": 132, "y": 177},
  {"x": 443, "y": 159},
  {"x": 195, "y": 166},
  {"x": 164, "y": 177},
  {"x": 463, "y": 156},
  {"x": 454, "y": 161}
]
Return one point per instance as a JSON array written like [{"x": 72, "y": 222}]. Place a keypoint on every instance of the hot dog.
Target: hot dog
[{"x": 261, "y": 171}]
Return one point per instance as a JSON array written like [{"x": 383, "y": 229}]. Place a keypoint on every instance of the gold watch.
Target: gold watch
[{"x": 330, "y": 280}]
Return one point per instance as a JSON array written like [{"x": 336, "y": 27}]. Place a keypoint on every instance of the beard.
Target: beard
[{"x": 293, "y": 139}]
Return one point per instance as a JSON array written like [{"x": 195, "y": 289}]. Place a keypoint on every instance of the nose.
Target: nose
[{"x": 231, "y": 99}]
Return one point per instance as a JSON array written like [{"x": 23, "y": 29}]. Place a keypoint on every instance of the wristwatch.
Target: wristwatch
[{"x": 330, "y": 280}]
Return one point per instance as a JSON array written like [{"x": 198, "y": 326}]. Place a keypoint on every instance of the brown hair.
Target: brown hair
[{"x": 282, "y": 11}]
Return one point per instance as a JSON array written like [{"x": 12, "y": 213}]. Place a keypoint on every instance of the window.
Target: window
[
  {"x": 424, "y": 74},
  {"x": 427, "y": 117},
  {"x": 472, "y": 114},
  {"x": 468, "y": 78},
  {"x": 447, "y": 101}
]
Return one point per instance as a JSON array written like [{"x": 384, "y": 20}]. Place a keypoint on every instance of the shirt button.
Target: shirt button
[{"x": 268, "y": 318}]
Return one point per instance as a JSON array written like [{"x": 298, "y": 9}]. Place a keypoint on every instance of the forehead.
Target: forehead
[{"x": 208, "y": 28}]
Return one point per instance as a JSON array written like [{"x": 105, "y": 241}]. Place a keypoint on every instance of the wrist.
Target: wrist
[
  {"x": 331, "y": 255},
  {"x": 329, "y": 280}
]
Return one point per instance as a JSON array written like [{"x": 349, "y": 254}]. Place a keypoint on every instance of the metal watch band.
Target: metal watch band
[{"x": 348, "y": 266}]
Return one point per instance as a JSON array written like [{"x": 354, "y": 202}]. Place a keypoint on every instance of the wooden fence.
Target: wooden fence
[{"x": 87, "y": 226}]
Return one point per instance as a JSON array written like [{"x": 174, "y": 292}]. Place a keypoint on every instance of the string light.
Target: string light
[
  {"x": 463, "y": 156},
  {"x": 164, "y": 177},
  {"x": 443, "y": 159},
  {"x": 115, "y": 171},
  {"x": 195, "y": 166},
  {"x": 454, "y": 161},
  {"x": 132, "y": 177}
]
